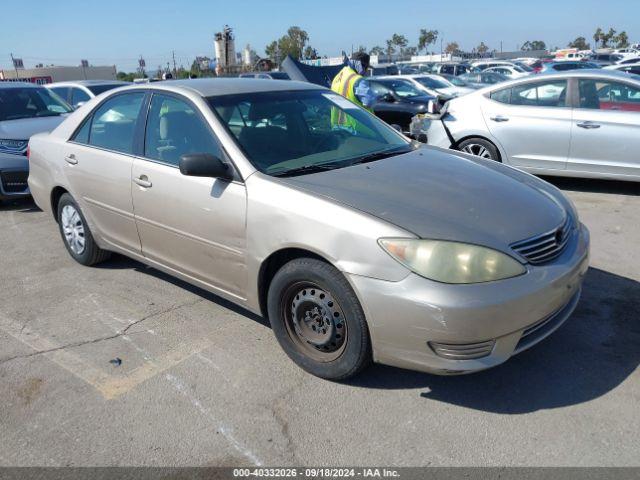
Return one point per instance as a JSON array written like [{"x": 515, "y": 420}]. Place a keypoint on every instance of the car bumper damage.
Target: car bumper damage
[{"x": 454, "y": 329}]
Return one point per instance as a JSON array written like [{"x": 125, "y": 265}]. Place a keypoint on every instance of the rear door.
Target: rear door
[
  {"x": 98, "y": 162},
  {"x": 605, "y": 136},
  {"x": 532, "y": 122},
  {"x": 193, "y": 225}
]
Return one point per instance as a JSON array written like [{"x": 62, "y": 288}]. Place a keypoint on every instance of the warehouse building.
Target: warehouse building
[{"x": 43, "y": 75}]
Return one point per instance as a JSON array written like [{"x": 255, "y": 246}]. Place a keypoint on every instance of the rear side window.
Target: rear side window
[
  {"x": 541, "y": 94},
  {"x": 502, "y": 96},
  {"x": 62, "y": 92},
  {"x": 114, "y": 123},
  {"x": 79, "y": 96},
  {"x": 174, "y": 128}
]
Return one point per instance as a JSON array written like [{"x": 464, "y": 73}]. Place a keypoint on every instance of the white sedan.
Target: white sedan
[{"x": 510, "y": 71}]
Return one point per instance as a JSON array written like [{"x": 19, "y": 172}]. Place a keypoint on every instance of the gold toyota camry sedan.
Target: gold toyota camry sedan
[{"x": 358, "y": 244}]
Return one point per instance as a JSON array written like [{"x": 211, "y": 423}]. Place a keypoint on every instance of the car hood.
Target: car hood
[
  {"x": 439, "y": 195},
  {"x": 23, "y": 128}
]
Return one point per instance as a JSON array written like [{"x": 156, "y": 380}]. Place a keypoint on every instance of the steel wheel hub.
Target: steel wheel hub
[
  {"x": 73, "y": 229},
  {"x": 318, "y": 321}
]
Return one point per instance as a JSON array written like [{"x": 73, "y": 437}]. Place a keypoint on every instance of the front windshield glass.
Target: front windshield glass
[
  {"x": 456, "y": 81},
  {"x": 431, "y": 82},
  {"x": 294, "y": 132},
  {"x": 98, "y": 89},
  {"x": 401, "y": 88},
  {"x": 28, "y": 102}
]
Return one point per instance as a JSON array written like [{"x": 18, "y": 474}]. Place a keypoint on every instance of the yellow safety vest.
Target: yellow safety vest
[{"x": 344, "y": 84}]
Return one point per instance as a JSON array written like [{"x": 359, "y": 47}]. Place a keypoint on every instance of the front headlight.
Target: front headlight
[{"x": 452, "y": 262}]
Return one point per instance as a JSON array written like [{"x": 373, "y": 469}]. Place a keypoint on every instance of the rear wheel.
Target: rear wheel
[
  {"x": 76, "y": 234},
  {"x": 480, "y": 147},
  {"x": 318, "y": 320}
]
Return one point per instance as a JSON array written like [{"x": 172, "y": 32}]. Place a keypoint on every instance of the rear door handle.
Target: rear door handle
[
  {"x": 143, "y": 181},
  {"x": 71, "y": 159},
  {"x": 588, "y": 125},
  {"x": 499, "y": 118}
]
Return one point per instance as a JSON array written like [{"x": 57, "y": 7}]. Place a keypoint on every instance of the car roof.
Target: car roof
[
  {"x": 86, "y": 83},
  {"x": 582, "y": 73},
  {"x": 5, "y": 84},
  {"x": 209, "y": 87}
]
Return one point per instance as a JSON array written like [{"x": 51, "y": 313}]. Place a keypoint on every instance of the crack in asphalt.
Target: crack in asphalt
[{"x": 101, "y": 339}]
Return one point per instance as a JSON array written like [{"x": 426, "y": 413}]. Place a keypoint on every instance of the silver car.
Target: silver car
[
  {"x": 25, "y": 109},
  {"x": 583, "y": 123},
  {"x": 296, "y": 204}
]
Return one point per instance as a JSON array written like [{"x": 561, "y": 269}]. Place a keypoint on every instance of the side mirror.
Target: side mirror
[
  {"x": 204, "y": 165},
  {"x": 388, "y": 97}
]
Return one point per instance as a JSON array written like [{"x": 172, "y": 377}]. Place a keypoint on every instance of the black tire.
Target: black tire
[
  {"x": 480, "y": 148},
  {"x": 90, "y": 254},
  {"x": 344, "y": 348}
]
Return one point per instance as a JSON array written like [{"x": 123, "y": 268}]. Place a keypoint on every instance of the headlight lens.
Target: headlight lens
[{"x": 452, "y": 262}]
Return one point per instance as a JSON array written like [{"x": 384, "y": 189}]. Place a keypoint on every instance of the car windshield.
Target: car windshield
[
  {"x": 296, "y": 132},
  {"x": 456, "y": 81},
  {"x": 98, "y": 89},
  {"x": 401, "y": 88},
  {"x": 29, "y": 102},
  {"x": 431, "y": 82}
]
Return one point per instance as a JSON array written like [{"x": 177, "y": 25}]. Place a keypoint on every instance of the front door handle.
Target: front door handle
[
  {"x": 143, "y": 181},
  {"x": 71, "y": 159},
  {"x": 499, "y": 118},
  {"x": 588, "y": 125}
]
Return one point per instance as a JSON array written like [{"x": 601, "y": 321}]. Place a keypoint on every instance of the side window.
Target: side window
[
  {"x": 114, "y": 123},
  {"x": 78, "y": 96},
  {"x": 502, "y": 96},
  {"x": 605, "y": 95},
  {"x": 62, "y": 92},
  {"x": 175, "y": 128},
  {"x": 540, "y": 94},
  {"x": 82, "y": 135}
]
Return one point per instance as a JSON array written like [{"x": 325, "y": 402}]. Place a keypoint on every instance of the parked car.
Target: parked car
[
  {"x": 266, "y": 75},
  {"x": 352, "y": 242},
  {"x": 452, "y": 68},
  {"x": 581, "y": 123},
  {"x": 483, "y": 79},
  {"x": 455, "y": 80},
  {"x": 627, "y": 68},
  {"x": 604, "y": 59},
  {"x": 510, "y": 72},
  {"x": 79, "y": 92},
  {"x": 383, "y": 69},
  {"x": 437, "y": 86},
  {"x": 25, "y": 109},
  {"x": 629, "y": 60},
  {"x": 484, "y": 64},
  {"x": 551, "y": 67},
  {"x": 399, "y": 100}
]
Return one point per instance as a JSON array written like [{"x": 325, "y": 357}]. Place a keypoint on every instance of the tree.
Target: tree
[
  {"x": 125, "y": 77},
  {"x": 426, "y": 38},
  {"x": 597, "y": 37},
  {"x": 531, "y": 45},
  {"x": 411, "y": 51},
  {"x": 482, "y": 48},
  {"x": 604, "y": 38},
  {"x": 390, "y": 50},
  {"x": 293, "y": 43},
  {"x": 580, "y": 43},
  {"x": 452, "y": 48},
  {"x": 622, "y": 40},
  {"x": 399, "y": 41},
  {"x": 361, "y": 49},
  {"x": 377, "y": 50},
  {"x": 310, "y": 53}
]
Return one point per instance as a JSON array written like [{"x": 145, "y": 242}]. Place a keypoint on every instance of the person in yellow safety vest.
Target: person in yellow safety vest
[{"x": 350, "y": 83}]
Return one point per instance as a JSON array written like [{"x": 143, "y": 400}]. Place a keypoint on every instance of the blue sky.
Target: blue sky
[{"x": 118, "y": 31}]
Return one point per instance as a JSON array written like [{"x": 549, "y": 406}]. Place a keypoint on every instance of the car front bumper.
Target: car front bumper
[
  {"x": 14, "y": 170},
  {"x": 409, "y": 319}
]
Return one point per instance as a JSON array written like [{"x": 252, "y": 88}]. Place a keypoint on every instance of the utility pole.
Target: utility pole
[
  {"x": 441, "y": 40},
  {"x": 175, "y": 72}
]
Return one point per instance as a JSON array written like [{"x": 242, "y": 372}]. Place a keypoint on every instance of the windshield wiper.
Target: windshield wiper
[
  {"x": 372, "y": 157},
  {"x": 311, "y": 168}
]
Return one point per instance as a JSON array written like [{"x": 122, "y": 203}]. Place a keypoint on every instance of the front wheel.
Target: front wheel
[
  {"x": 76, "y": 234},
  {"x": 318, "y": 320},
  {"x": 480, "y": 148}
]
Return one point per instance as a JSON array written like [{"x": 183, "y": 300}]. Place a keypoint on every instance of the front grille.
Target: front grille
[
  {"x": 467, "y": 351},
  {"x": 545, "y": 247},
  {"x": 14, "y": 182}
]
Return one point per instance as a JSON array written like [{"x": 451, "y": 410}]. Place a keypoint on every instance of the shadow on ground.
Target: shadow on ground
[
  {"x": 595, "y": 185},
  {"x": 23, "y": 205},
  {"x": 593, "y": 353}
]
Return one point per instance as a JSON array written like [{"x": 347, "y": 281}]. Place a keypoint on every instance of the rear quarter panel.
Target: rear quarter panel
[{"x": 46, "y": 168}]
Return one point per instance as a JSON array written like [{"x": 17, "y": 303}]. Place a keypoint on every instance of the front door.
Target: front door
[
  {"x": 193, "y": 225},
  {"x": 98, "y": 162},
  {"x": 532, "y": 123},
  {"x": 605, "y": 136}
]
